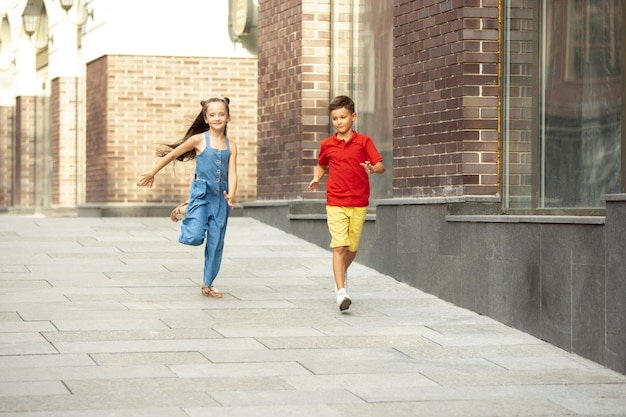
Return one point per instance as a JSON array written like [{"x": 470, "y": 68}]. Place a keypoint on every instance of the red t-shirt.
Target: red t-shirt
[{"x": 348, "y": 184}]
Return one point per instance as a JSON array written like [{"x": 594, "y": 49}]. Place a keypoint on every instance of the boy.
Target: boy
[{"x": 351, "y": 156}]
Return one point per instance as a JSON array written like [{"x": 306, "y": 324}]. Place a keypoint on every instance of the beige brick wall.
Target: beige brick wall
[{"x": 136, "y": 103}]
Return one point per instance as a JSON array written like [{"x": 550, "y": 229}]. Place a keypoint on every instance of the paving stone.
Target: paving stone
[
  {"x": 188, "y": 384},
  {"x": 86, "y": 372},
  {"x": 23, "y": 326},
  {"x": 285, "y": 397},
  {"x": 301, "y": 355},
  {"x": 170, "y": 345},
  {"x": 477, "y": 408},
  {"x": 42, "y": 361},
  {"x": 240, "y": 369},
  {"x": 266, "y": 411},
  {"x": 11, "y": 389}
]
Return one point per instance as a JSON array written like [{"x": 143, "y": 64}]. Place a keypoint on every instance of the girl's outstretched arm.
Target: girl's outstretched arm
[{"x": 147, "y": 178}]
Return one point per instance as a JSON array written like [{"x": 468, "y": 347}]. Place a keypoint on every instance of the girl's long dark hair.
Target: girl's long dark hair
[{"x": 197, "y": 126}]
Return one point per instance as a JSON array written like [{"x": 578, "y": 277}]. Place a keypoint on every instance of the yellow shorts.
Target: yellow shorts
[{"x": 345, "y": 225}]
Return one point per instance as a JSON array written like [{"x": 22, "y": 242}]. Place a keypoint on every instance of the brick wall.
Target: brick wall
[
  {"x": 97, "y": 135},
  {"x": 25, "y": 158},
  {"x": 445, "y": 98},
  {"x": 135, "y": 103},
  {"x": 63, "y": 142},
  {"x": 6, "y": 156},
  {"x": 294, "y": 90}
]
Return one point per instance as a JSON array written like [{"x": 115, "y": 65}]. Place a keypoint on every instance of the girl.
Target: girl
[{"x": 213, "y": 187}]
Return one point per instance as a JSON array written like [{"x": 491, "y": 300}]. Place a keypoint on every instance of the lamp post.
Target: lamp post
[
  {"x": 82, "y": 15},
  {"x": 11, "y": 64},
  {"x": 35, "y": 25}
]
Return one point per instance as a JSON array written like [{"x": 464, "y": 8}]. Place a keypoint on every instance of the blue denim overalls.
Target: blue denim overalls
[{"x": 207, "y": 212}]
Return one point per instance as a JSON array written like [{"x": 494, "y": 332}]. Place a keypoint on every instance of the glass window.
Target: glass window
[
  {"x": 561, "y": 107},
  {"x": 362, "y": 65}
]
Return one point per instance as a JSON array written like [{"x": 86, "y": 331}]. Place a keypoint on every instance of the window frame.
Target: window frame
[{"x": 535, "y": 140}]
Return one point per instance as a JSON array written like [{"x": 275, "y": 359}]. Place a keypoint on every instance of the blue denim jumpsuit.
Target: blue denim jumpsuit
[{"x": 207, "y": 212}]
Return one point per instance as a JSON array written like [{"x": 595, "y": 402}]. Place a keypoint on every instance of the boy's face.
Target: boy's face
[{"x": 342, "y": 120}]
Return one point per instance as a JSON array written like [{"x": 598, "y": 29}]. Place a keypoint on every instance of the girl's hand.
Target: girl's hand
[
  {"x": 230, "y": 200},
  {"x": 146, "y": 180}
]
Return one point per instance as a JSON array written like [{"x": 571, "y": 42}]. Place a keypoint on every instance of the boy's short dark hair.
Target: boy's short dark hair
[{"x": 342, "y": 102}]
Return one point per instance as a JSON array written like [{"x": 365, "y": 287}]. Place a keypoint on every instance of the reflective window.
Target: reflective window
[
  {"x": 561, "y": 106},
  {"x": 362, "y": 65}
]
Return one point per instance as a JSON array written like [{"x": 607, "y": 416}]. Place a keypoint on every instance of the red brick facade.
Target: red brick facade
[
  {"x": 24, "y": 186},
  {"x": 445, "y": 98},
  {"x": 6, "y": 156},
  {"x": 294, "y": 89},
  {"x": 65, "y": 179},
  {"x": 446, "y": 92}
]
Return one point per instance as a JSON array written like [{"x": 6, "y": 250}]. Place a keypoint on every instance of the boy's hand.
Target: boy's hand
[
  {"x": 313, "y": 184},
  {"x": 368, "y": 167}
]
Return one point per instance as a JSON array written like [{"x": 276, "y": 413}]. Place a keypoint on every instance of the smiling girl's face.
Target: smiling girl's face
[{"x": 216, "y": 115}]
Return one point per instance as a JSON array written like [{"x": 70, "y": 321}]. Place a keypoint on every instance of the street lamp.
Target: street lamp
[
  {"x": 31, "y": 14},
  {"x": 30, "y": 19},
  {"x": 67, "y": 5}
]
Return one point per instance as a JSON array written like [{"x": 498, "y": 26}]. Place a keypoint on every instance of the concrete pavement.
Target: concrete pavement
[{"x": 104, "y": 317}]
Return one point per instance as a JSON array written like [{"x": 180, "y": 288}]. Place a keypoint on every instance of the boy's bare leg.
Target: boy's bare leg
[
  {"x": 349, "y": 258},
  {"x": 342, "y": 259},
  {"x": 339, "y": 265}
]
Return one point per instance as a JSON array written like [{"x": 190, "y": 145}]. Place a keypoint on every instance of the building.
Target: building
[
  {"x": 89, "y": 91},
  {"x": 499, "y": 122}
]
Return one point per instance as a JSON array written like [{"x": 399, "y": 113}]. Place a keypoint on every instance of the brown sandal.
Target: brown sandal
[
  {"x": 211, "y": 292},
  {"x": 179, "y": 213}
]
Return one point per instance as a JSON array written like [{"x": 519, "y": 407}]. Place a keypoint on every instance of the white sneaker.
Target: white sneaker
[{"x": 343, "y": 300}]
